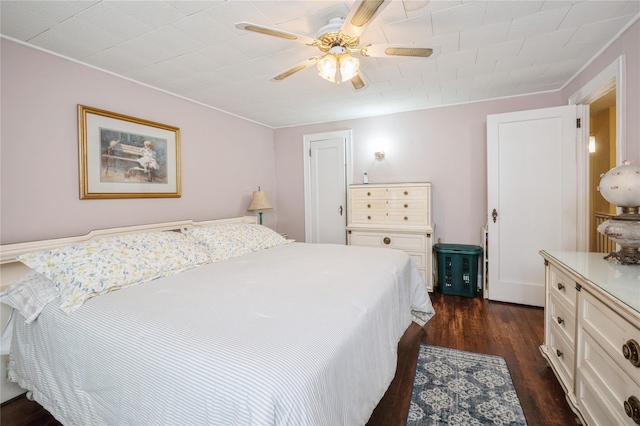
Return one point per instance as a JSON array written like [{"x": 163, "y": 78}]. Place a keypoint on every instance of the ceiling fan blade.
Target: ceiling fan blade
[
  {"x": 248, "y": 26},
  {"x": 362, "y": 12},
  {"x": 299, "y": 67},
  {"x": 358, "y": 82},
  {"x": 391, "y": 50}
]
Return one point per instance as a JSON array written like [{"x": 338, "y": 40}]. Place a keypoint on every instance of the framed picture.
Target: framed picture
[{"x": 126, "y": 157}]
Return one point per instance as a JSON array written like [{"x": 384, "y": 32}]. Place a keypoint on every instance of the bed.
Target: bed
[{"x": 273, "y": 333}]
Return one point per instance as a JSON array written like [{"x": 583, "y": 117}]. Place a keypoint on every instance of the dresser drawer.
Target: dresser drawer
[
  {"x": 372, "y": 217},
  {"x": 408, "y": 205},
  {"x": 368, "y": 193},
  {"x": 562, "y": 318},
  {"x": 407, "y": 218},
  {"x": 420, "y": 259},
  {"x": 368, "y": 205},
  {"x": 427, "y": 282},
  {"x": 562, "y": 356},
  {"x": 402, "y": 241},
  {"x": 409, "y": 193},
  {"x": 562, "y": 286},
  {"x": 602, "y": 385},
  {"x": 610, "y": 330}
]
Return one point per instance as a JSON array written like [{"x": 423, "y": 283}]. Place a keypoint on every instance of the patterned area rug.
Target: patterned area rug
[{"x": 453, "y": 387}]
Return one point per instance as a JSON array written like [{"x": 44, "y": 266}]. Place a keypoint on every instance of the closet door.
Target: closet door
[{"x": 531, "y": 171}]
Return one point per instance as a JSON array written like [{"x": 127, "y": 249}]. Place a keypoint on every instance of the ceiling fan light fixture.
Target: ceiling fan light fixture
[
  {"x": 348, "y": 67},
  {"x": 327, "y": 67},
  {"x": 338, "y": 67}
]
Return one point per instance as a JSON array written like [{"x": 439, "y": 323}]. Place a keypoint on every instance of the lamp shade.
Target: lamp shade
[
  {"x": 259, "y": 201},
  {"x": 327, "y": 67},
  {"x": 348, "y": 67}
]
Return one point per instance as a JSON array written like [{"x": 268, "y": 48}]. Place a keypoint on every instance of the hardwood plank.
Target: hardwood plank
[{"x": 472, "y": 324}]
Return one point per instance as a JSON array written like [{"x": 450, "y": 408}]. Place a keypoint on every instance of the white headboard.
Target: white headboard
[{"x": 11, "y": 269}]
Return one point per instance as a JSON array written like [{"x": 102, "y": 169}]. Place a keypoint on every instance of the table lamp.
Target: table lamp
[{"x": 259, "y": 202}]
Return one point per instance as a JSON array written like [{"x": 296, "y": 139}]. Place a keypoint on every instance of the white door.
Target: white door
[
  {"x": 326, "y": 187},
  {"x": 532, "y": 175}
]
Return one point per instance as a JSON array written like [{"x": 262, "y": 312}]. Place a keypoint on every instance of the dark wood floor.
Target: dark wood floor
[{"x": 511, "y": 331}]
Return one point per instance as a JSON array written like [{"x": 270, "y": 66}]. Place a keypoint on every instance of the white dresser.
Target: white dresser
[
  {"x": 592, "y": 335},
  {"x": 396, "y": 216}
]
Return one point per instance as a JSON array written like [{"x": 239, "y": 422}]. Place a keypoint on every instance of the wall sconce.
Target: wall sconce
[
  {"x": 592, "y": 144},
  {"x": 379, "y": 155}
]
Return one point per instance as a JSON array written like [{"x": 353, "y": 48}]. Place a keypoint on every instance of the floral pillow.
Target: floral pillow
[
  {"x": 29, "y": 295},
  {"x": 235, "y": 239},
  {"x": 88, "y": 269}
]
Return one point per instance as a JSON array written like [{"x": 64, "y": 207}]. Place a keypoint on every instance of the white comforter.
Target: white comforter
[{"x": 300, "y": 334}]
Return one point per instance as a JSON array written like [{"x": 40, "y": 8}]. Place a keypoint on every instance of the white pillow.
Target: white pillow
[
  {"x": 235, "y": 239},
  {"x": 91, "y": 268},
  {"x": 29, "y": 295}
]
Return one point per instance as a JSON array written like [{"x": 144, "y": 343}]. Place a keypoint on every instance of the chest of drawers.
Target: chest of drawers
[
  {"x": 394, "y": 216},
  {"x": 592, "y": 331}
]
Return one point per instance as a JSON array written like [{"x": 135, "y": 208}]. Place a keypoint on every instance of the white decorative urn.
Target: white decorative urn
[{"x": 621, "y": 186}]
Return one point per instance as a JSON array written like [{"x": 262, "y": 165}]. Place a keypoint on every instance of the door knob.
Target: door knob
[
  {"x": 494, "y": 214},
  {"x": 632, "y": 408},
  {"x": 631, "y": 351}
]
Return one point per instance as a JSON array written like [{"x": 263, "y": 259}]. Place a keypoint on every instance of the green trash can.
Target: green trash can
[{"x": 457, "y": 269}]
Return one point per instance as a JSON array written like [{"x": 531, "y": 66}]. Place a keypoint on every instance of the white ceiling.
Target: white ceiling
[{"x": 488, "y": 49}]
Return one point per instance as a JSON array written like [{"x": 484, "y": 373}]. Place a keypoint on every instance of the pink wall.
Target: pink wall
[
  {"x": 224, "y": 158},
  {"x": 445, "y": 146},
  {"x": 628, "y": 44}
]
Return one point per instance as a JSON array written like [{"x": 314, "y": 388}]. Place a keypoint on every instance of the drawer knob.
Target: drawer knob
[
  {"x": 406, "y": 193},
  {"x": 406, "y": 205},
  {"x": 631, "y": 351},
  {"x": 368, "y": 206},
  {"x": 387, "y": 240},
  {"x": 560, "y": 286},
  {"x": 369, "y": 217},
  {"x": 560, "y": 320},
  {"x": 559, "y": 353},
  {"x": 368, "y": 194},
  {"x": 406, "y": 218},
  {"x": 632, "y": 408}
]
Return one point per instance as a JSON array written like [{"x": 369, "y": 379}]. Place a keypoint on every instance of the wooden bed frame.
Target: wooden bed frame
[{"x": 11, "y": 269}]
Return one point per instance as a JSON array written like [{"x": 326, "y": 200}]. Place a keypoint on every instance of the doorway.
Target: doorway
[
  {"x": 605, "y": 89},
  {"x": 602, "y": 158}
]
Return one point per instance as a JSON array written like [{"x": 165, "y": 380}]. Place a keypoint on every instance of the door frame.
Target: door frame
[
  {"x": 611, "y": 77},
  {"x": 347, "y": 135}
]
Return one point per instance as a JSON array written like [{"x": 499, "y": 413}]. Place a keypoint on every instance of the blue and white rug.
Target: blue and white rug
[{"x": 453, "y": 387}]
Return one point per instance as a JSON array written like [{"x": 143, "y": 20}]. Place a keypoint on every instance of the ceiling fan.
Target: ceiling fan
[{"x": 338, "y": 40}]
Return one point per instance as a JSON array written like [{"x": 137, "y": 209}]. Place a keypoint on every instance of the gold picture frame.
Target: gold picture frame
[{"x": 126, "y": 157}]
